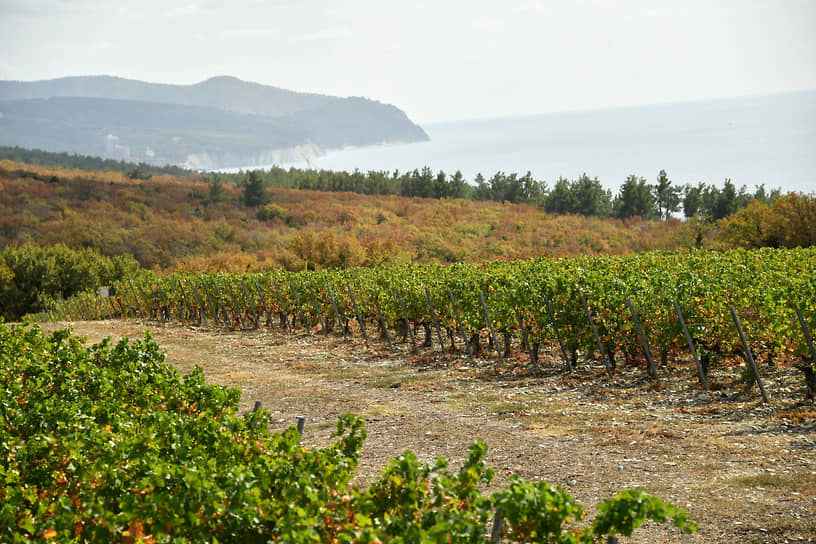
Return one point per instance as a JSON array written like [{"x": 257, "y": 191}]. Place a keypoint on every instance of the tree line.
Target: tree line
[
  {"x": 39, "y": 157},
  {"x": 636, "y": 197},
  {"x": 582, "y": 196}
]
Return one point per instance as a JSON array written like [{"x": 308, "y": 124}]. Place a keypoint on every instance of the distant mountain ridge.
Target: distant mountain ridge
[{"x": 220, "y": 122}]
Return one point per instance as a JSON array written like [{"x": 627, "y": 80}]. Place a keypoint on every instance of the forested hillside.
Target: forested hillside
[{"x": 221, "y": 122}]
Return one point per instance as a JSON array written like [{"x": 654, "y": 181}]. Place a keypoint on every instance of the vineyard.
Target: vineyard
[
  {"x": 655, "y": 310},
  {"x": 109, "y": 444}
]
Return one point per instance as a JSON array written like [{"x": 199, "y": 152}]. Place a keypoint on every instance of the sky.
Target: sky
[{"x": 438, "y": 60}]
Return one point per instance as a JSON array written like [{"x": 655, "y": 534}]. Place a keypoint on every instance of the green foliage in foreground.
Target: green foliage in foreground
[{"x": 108, "y": 444}]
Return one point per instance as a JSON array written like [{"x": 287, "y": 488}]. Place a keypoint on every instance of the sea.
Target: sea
[{"x": 755, "y": 140}]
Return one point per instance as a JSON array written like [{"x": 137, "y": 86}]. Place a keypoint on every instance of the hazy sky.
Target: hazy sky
[{"x": 437, "y": 60}]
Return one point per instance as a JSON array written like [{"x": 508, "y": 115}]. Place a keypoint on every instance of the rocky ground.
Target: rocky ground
[{"x": 743, "y": 469}]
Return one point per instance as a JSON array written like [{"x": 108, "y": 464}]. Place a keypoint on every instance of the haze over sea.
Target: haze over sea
[{"x": 756, "y": 140}]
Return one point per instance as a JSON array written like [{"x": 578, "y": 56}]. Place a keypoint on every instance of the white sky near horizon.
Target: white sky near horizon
[{"x": 439, "y": 60}]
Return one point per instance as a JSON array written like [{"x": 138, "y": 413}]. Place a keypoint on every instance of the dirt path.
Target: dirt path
[{"x": 745, "y": 471}]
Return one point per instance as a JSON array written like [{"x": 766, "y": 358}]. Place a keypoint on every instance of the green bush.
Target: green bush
[{"x": 32, "y": 277}]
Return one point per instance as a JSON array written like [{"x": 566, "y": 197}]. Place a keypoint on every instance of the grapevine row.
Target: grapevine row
[{"x": 615, "y": 307}]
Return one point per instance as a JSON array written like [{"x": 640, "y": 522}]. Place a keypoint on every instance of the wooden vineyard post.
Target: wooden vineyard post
[
  {"x": 184, "y": 313},
  {"x": 749, "y": 355},
  {"x": 131, "y": 309},
  {"x": 405, "y": 320},
  {"x": 83, "y": 306},
  {"x": 435, "y": 321},
  {"x": 357, "y": 312},
  {"x": 700, "y": 372},
  {"x": 213, "y": 308},
  {"x": 806, "y": 332},
  {"x": 150, "y": 311},
  {"x": 646, "y": 351},
  {"x": 107, "y": 305},
  {"x": 299, "y": 306},
  {"x": 102, "y": 307},
  {"x": 558, "y": 334},
  {"x": 317, "y": 309},
  {"x": 202, "y": 312},
  {"x": 597, "y": 338},
  {"x": 263, "y": 304},
  {"x": 527, "y": 346},
  {"x": 122, "y": 311},
  {"x": 136, "y": 298},
  {"x": 77, "y": 310},
  {"x": 227, "y": 319},
  {"x": 164, "y": 311},
  {"x": 383, "y": 327},
  {"x": 461, "y": 327},
  {"x": 498, "y": 528},
  {"x": 192, "y": 311},
  {"x": 283, "y": 311},
  {"x": 337, "y": 312},
  {"x": 250, "y": 304},
  {"x": 235, "y": 305},
  {"x": 99, "y": 303},
  {"x": 80, "y": 312},
  {"x": 180, "y": 304},
  {"x": 490, "y": 328},
  {"x": 92, "y": 310},
  {"x": 88, "y": 312}
]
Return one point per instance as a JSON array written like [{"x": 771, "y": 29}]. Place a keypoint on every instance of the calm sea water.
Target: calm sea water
[{"x": 768, "y": 139}]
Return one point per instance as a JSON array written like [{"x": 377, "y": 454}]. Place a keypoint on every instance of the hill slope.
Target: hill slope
[
  {"x": 183, "y": 222},
  {"x": 219, "y": 122}
]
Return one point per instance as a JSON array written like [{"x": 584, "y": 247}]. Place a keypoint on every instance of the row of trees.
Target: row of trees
[
  {"x": 84, "y": 162},
  {"x": 583, "y": 196}
]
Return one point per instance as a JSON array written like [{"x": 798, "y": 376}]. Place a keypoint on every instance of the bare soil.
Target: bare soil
[{"x": 743, "y": 469}]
